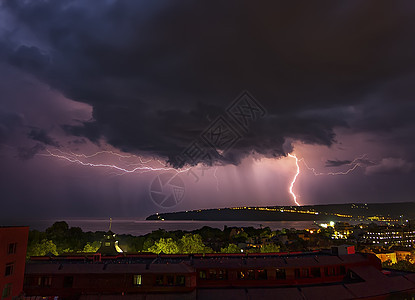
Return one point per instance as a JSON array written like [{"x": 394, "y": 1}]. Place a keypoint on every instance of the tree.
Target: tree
[
  {"x": 57, "y": 231},
  {"x": 167, "y": 246},
  {"x": 91, "y": 247},
  {"x": 270, "y": 248},
  {"x": 192, "y": 243},
  {"x": 148, "y": 243},
  {"x": 231, "y": 248},
  {"x": 241, "y": 237},
  {"x": 402, "y": 265},
  {"x": 42, "y": 248}
]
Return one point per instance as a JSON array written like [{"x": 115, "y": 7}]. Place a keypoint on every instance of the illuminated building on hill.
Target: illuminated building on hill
[
  {"x": 389, "y": 236},
  {"x": 109, "y": 244}
]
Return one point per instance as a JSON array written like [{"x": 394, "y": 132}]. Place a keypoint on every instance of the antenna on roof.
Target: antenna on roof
[{"x": 110, "y": 224}]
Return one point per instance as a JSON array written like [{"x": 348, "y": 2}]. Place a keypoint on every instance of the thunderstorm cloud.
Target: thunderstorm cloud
[{"x": 157, "y": 75}]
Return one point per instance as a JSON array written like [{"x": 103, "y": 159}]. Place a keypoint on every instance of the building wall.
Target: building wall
[
  {"x": 387, "y": 256},
  {"x": 72, "y": 285},
  {"x": 13, "y": 247}
]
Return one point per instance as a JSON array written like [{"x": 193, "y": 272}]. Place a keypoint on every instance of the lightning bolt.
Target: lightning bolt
[
  {"x": 294, "y": 179},
  {"x": 141, "y": 168},
  {"x": 354, "y": 164},
  {"x": 124, "y": 167}
]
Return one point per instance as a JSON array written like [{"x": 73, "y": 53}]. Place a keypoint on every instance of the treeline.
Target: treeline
[{"x": 60, "y": 238}]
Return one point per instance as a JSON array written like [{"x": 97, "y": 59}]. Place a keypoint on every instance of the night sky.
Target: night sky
[{"x": 101, "y": 99}]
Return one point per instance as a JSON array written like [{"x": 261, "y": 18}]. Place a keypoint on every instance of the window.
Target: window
[
  {"x": 280, "y": 273},
  {"x": 315, "y": 272},
  {"x": 97, "y": 257},
  {"x": 241, "y": 275},
  {"x": 262, "y": 275},
  {"x": 212, "y": 274},
  {"x": 180, "y": 280},
  {"x": 250, "y": 274},
  {"x": 9, "y": 269},
  {"x": 44, "y": 281},
  {"x": 159, "y": 280},
  {"x": 12, "y": 248},
  {"x": 107, "y": 244},
  {"x": 297, "y": 273},
  {"x": 222, "y": 274},
  {"x": 305, "y": 273},
  {"x": 170, "y": 280},
  {"x": 329, "y": 271},
  {"x": 342, "y": 270},
  {"x": 7, "y": 290},
  {"x": 68, "y": 281},
  {"x": 137, "y": 280},
  {"x": 202, "y": 274}
]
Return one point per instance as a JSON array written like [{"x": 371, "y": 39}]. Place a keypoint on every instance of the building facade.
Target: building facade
[
  {"x": 13, "y": 247},
  {"x": 391, "y": 236},
  {"x": 313, "y": 275}
]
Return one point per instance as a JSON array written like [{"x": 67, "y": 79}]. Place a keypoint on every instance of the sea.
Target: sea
[{"x": 142, "y": 227}]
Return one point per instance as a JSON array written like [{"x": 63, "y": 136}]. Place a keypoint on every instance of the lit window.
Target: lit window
[
  {"x": 202, "y": 274},
  {"x": 137, "y": 280}
]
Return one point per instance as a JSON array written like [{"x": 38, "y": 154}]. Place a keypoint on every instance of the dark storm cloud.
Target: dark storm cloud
[
  {"x": 25, "y": 153},
  {"x": 9, "y": 121},
  {"x": 158, "y": 74},
  {"x": 361, "y": 161},
  {"x": 80, "y": 141},
  {"x": 337, "y": 163},
  {"x": 391, "y": 165},
  {"x": 40, "y": 135}
]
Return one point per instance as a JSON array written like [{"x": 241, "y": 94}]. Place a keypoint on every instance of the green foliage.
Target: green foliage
[
  {"x": 192, "y": 243},
  {"x": 241, "y": 237},
  {"x": 91, "y": 247},
  {"x": 57, "y": 230},
  {"x": 402, "y": 265},
  {"x": 42, "y": 248},
  {"x": 148, "y": 243},
  {"x": 167, "y": 246},
  {"x": 66, "y": 239},
  {"x": 231, "y": 248},
  {"x": 270, "y": 248}
]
